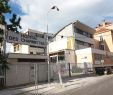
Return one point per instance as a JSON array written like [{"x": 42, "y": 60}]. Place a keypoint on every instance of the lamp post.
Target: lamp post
[{"x": 57, "y": 9}]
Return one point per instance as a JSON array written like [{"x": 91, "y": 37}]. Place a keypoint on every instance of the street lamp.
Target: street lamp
[{"x": 57, "y": 9}]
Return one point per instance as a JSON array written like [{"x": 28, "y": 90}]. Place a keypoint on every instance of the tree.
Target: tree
[
  {"x": 14, "y": 25},
  {"x": 4, "y": 8}
]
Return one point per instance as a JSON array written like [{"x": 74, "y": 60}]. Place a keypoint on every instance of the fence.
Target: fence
[{"x": 24, "y": 73}]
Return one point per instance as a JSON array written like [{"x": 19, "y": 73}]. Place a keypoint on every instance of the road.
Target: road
[
  {"x": 100, "y": 85},
  {"x": 103, "y": 87}
]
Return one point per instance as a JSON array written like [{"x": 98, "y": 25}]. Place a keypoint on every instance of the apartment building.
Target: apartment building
[
  {"x": 77, "y": 47},
  {"x": 104, "y": 36}
]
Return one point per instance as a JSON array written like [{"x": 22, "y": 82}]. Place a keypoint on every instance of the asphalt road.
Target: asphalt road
[{"x": 103, "y": 87}]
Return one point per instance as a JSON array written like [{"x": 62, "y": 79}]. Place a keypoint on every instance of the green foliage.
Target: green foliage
[
  {"x": 2, "y": 20},
  {"x": 4, "y": 7},
  {"x": 15, "y": 24},
  {"x": 14, "y": 21},
  {"x": 3, "y": 62},
  {"x": 1, "y": 31},
  {"x": 1, "y": 35},
  {"x": 1, "y": 39}
]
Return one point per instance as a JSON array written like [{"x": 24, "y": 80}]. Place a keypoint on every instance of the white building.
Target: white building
[
  {"x": 75, "y": 44},
  {"x": 28, "y": 49},
  {"x": 32, "y": 49}
]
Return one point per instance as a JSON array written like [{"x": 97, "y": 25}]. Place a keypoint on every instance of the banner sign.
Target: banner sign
[{"x": 26, "y": 39}]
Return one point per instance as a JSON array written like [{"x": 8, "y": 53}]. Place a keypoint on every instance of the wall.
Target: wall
[
  {"x": 58, "y": 45},
  {"x": 70, "y": 56},
  {"x": 84, "y": 38},
  {"x": 84, "y": 55},
  {"x": 23, "y": 73},
  {"x": 65, "y": 32},
  {"x": 107, "y": 40},
  {"x": 36, "y": 50}
]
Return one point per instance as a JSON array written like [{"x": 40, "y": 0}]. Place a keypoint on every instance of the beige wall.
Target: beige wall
[
  {"x": 70, "y": 56},
  {"x": 81, "y": 54},
  {"x": 107, "y": 40}
]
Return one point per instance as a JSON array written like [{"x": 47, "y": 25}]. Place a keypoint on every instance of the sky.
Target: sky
[{"x": 36, "y": 14}]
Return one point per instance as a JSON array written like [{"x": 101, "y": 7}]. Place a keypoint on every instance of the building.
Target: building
[
  {"x": 33, "y": 49},
  {"x": 77, "y": 47},
  {"x": 23, "y": 66},
  {"x": 28, "y": 53},
  {"x": 104, "y": 36}
]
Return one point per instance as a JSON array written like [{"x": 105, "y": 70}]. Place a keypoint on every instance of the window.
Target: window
[
  {"x": 0, "y": 50},
  {"x": 61, "y": 58},
  {"x": 101, "y": 38},
  {"x": 101, "y": 47},
  {"x": 31, "y": 52},
  {"x": 53, "y": 59},
  {"x": 99, "y": 56},
  {"x": 16, "y": 47},
  {"x": 83, "y": 43},
  {"x": 83, "y": 33},
  {"x": 31, "y": 60},
  {"x": 39, "y": 35}
]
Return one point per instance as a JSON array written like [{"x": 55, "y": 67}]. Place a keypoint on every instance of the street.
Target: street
[
  {"x": 103, "y": 87},
  {"x": 99, "y": 85}
]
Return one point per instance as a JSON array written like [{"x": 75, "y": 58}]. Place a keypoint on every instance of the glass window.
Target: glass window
[
  {"x": 83, "y": 33},
  {"x": 31, "y": 52},
  {"x": 60, "y": 58},
  {"x": 53, "y": 59},
  {"x": 102, "y": 47}
]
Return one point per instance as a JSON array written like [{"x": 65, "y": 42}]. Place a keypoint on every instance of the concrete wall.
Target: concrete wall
[
  {"x": 84, "y": 38},
  {"x": 70, "y": 56},
  {"x": 65, "y": 32},
  {"x": 84, "y": 55},
  {"x": 23, "y": 73},
  {"x": 36, "y": 50},
  {"x": 58, "y": 45}
]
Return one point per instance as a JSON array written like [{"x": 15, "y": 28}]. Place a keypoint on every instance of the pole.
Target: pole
[
  {"x": 36, "y": 78},
  {"x": 48, "y": 51},
  {"x": 4, "y": 50},
  {"x": 54, "y": 7},
  {"x": 59, "y": 73},
  {"x": 4, "y": 41}
]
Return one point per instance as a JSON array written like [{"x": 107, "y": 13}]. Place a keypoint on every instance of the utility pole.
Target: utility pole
[
  {"x": 36, "y": 78},
  {"x": 59, "y": 73},
  {"x": 54, "y": 7}
]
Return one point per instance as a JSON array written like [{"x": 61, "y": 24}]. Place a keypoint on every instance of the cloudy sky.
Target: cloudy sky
[{"x": 34, "y": 13}]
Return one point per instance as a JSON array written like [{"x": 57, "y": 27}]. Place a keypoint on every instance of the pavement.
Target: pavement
[{"x": 54, "y": 88}]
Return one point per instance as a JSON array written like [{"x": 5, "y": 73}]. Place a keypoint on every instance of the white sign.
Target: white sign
[
  {"x": 97, "y": 62},
  {"x": 26, "y": 39}
]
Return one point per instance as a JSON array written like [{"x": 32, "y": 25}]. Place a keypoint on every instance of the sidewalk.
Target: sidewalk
[{"x": 54, "y": 88}]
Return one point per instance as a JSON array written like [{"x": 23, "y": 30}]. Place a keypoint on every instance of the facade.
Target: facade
[
  {"x": 84, "y": 43},
  {"x": 32, "y": 49},
  {"x": 22, "y": 68},
  {"x": 104, "y": 36},
  {"x": 24, "y": 59}
]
